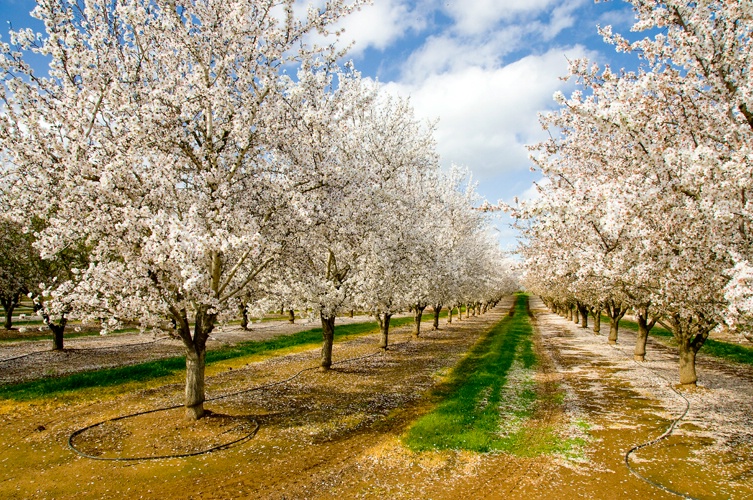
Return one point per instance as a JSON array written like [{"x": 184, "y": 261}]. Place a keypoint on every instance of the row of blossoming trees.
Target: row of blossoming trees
[
  {"x": 171, "y": 153},
  {"x": 647, "y": 200}
]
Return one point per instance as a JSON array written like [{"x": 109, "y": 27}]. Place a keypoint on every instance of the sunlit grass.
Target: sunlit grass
[{"x": 476, "y": 398}]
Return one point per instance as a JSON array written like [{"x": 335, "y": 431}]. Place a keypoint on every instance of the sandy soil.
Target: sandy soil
[{"x": 337, "y": 434}]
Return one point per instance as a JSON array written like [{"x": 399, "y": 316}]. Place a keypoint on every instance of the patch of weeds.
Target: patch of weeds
[
  {"x": 472, "y": 404},
  {"x": 574, "y": 445}
]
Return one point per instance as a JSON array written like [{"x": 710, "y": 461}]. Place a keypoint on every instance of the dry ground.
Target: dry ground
[{"x": 337, "y": 435}]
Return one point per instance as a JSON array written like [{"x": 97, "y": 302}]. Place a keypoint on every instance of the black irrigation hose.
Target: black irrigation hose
[
  {"x": 158, "y": 457},
  {"x": 209, "y": 450},
  {"x": 664, "y": 435}
]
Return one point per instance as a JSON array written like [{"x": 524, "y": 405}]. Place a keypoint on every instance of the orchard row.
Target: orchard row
[
  {"x": 189, "y": 164},
  {"x": 646, "y": 203}
]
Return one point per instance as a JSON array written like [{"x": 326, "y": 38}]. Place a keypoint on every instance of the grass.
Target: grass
[
  {"x": 142, "y": 372},
  {"x": 717, "y": 348},
  {"x": 491, "y": 387}
]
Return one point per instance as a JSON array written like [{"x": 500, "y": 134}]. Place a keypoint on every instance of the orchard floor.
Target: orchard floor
[{"x": 337, "y": 434}]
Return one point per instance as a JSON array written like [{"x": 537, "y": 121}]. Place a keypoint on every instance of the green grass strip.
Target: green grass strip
[
  {"x": 109, "y": 377},
  {"x": 717, "y": 348},
  {"x": 468, "y": 414}
]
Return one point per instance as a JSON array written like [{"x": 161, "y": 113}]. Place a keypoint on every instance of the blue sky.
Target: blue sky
[{"x": 482, "y": 68}]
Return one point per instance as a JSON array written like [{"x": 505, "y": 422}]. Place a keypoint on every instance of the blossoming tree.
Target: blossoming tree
[{"x": 149, "y": 141}]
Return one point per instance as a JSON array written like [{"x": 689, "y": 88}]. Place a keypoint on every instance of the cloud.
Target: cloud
[
  {"x": 445, "y": 53},
  {"x": 532, "y": 193},
  {"x": 480, "y": 16},
  {"x": 379, "y": 25},
  {"x": 488, "y": 115}
]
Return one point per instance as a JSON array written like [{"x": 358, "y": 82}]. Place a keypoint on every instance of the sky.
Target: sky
[{"x": 483, "y": 69}]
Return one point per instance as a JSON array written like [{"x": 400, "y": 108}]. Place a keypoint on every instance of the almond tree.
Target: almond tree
[
  {"x": 671, "y": 143},
  {"x": 17, "y": 267},
  {"x": 149, "y": 142}
]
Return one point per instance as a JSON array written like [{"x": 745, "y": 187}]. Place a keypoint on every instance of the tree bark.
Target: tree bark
[
  {"x": 437, "y": 309},
  {"x": 690, "y": 333},
  {"x": 195, "y": 394},
  {"x": 614, "y": 326},
  {"x": 384, "y": 329},
  {"x": 644, "y": 327},
  {"x": 418, "y": 311},
  {"x": 9, "y": 305},
  {"x": 576, "y": 316},
  {"x": 291, "y": 316},
  {"x": 687, "y": 364},
  {"x": 196, "y": 347},
  {"x": 583, "y": 310},
  {"x": 328, "y": 339},
  {"x": 615, "y": 311},
  {"x": 244, "y": 316},
  {"x": 597, "y": 321},
  {"x": 8, "y": 316},
  {"x": 449, "y": 315},
  {"x": 57, "y": 334}
]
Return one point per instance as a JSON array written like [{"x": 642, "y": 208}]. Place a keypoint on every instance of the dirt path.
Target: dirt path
[
  {"x": 336, "y": 435},
  {"x": 625, "y": 403}
]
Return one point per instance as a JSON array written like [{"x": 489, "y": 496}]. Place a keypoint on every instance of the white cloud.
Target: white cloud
[
  {"x": 480, "y": 16},
  {"x": 443, "y": 53},
  {"x": 532, "y": 193},
  {"x": 488, "y": 115},
  {"x": 378, "y": 25}
]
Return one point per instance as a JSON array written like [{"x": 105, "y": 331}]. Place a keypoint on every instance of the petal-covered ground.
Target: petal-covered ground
[{"x": 337, "y": 434}]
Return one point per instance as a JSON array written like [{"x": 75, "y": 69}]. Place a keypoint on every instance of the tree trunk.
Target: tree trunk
[
  {"x": 460, "y": 312},
  {"x": 690, "y": 333},
  {"x": 196, "y": 348},
  {"x": 437, "y": 308},
  {"x": 328, "y": 338},
  {"x": 614, "y": 325},
  {"x": 195, "y": 395},
  {"x": 583, "y": 316},
  {"x": 9, "y": 316},
  {"x": 449, "y": 315},
  {"x": 597, "y": 321},
  {"x": 569, "y": 314},
  {"x": 644, "y": 327},
  {"x": 9, "y": 304},
  {"x": 244, "y": 316},
  {"x": 616, "y": 311},
  {"x": 291, "y": 316},
  {"x": 352, "y": 312},
  {"x": 57, "y": 334},
  {"x": 418, "y": 311},
  {"x": 576, "y": 316},
  {"x": 687, "y": 364},
  {"x": 384, "y": 329}
]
